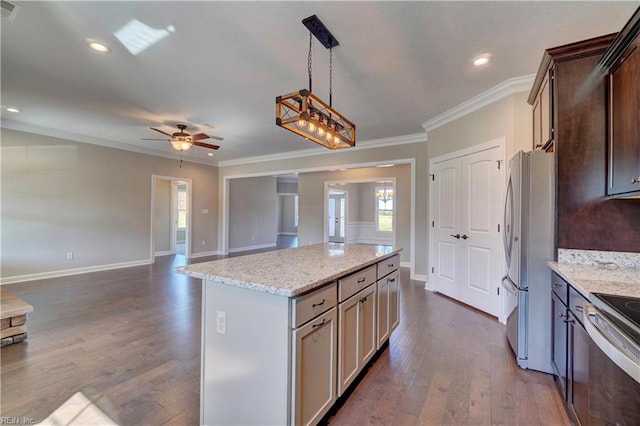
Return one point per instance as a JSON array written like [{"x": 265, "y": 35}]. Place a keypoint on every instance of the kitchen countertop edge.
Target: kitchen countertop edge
[
  {"x": 589, "y": 279},
  {"x": 298, "y": 291}
]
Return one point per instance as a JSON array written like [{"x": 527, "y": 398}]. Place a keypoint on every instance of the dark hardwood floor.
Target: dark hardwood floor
[{"x": 129, "y": 340}]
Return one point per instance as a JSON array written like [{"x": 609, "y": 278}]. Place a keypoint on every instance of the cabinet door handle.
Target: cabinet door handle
[
  {"x": 579, "y": 308},
  {"x": 392, "y": 280},
  {"x": 557, "y": 285},
  {"x": 318, "y": 304},
  {"x": 464, "y": 237},
  {"x": 364, "y": 299},
  {"x": 635, "y": 180},
  {"x": 321, "y": 324},
  {"x": 563, "y": 316},
  {"x": 570, "y": 321},
  {"x": 361, "y": 280},
  {"x": 389, "y": 265}
]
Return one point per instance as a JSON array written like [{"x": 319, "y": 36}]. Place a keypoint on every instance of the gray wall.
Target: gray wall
[
  {"x": 312, "y": 214},
  {"x": 95, "y": 201},
  {"x": 61, "y": 196},
  {"x": 286, "y": 214},
  {"x": 509, "y": 117},
  {"x": 253, "y": 207}
]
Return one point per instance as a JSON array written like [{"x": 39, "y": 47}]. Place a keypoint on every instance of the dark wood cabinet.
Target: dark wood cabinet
[
  {"x": 622, "y": 62},
  {"x": 570, "y": 348},
  {"x": 542, "y": 113},
  {"x": 578, "y": 359},
  {"x": 587, "y": 218},
  {"x": 559, "y": 343}
]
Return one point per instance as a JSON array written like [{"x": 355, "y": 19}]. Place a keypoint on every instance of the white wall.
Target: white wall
[{"x": 162, "y": 217}]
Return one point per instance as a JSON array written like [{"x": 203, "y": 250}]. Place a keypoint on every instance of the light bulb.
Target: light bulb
[
  {"x": 312, "y": 127},
  {"x": 301, "y": 123},
  {"x": 320, "y": 131}
]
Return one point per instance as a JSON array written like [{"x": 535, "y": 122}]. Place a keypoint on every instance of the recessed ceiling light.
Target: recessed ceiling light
[
  {"x": 12, "y": 109},
  {"x": 483, "y": 59},
  {"x": 98, "y": 46}
]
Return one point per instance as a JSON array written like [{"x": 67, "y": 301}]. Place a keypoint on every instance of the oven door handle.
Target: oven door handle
[{"x": 612, "y": 341}]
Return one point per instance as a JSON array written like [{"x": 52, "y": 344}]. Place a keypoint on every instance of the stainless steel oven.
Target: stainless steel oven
[{"x": 612, "y": 323}]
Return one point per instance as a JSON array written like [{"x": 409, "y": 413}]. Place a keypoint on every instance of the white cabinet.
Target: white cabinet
[
  {"x": 356, "y": 336},
  {"x": 388, "y": 306},
  {"x": 314, "y": 354}
]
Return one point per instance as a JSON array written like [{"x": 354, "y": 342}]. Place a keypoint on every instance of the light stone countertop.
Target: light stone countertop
[
  {"x": 290, "y": 272},
  {"x": 610, "y": 279}
]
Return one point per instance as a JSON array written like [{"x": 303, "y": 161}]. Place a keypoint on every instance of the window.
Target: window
[
  {"x": 384, "y": 207},
  {"x": 182, "y": 207}
]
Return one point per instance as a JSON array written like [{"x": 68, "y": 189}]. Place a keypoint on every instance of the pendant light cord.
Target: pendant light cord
[
  {"x": 309, "y": 60},
  {"x": 330, "y": 75}
]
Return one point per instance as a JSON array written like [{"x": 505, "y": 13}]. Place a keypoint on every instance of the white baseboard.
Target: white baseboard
[
  {"x": 287, "y": 233},
  {"x": 67, "y": 272},
  {"x": 204, "y": 254},
  {"x": 256, "y": 247},
  {"x": 417, "y": 277},
  {"x": 163, "y": 253}
]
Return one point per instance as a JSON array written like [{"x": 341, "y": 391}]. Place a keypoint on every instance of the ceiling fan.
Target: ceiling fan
[{"x": 182, "y": 141}]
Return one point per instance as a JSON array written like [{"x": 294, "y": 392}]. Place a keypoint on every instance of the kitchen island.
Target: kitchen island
[{"x": 285, "y": 333}]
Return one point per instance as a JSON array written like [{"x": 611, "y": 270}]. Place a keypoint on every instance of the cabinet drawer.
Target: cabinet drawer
[
  {"x": 351, "y": 284},
  {"x": 309, "y": 306},
  {"x": 389, "y": 265},
  {"x": 577, "y": 302},
  {"x": 560, "y": 288}
]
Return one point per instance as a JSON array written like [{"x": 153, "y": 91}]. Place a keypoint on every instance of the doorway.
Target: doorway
[
  {"x": 170, "y": 216},
  {"x": 337, "y": 216},
  {"x": 178, "y": 217},
  {"x": 466, "y": 249}
]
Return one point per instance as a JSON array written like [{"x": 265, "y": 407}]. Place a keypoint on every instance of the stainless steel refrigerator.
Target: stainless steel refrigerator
[{"x": 528, "y": 235}]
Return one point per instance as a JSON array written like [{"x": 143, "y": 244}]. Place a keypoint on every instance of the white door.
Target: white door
[
  {"x": 467, "y": 212},
  {"x": 337, "y": 216}
]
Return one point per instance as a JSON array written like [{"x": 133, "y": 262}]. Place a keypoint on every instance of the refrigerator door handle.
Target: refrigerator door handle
[
  {"x": 509, "y": 285},
  {"x": 508, "y": 227}
]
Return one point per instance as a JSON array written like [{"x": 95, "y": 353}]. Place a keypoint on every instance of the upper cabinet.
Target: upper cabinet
[
  {"x": 542, "y": 113},
  {"x": 553, "y": 98},
  {"x": 622, "y": 64}
]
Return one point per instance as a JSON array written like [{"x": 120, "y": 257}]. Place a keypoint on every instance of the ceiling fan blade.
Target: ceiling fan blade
[
  {"x": 218, "y": 138},
  {"x": 205, "y": 145},
  {"x": 149, "y": 139},
  {"x": 160, "y": 131},
  {"x": 200, "y": 136}
]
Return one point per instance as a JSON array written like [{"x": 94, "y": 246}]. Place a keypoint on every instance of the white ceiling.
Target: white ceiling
[{"x": 398, "y": 65}]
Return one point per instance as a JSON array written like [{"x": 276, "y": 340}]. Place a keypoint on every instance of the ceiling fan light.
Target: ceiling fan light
[{"x": 181, "y": 145}]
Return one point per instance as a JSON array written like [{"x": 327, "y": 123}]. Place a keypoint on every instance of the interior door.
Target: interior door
[
  {"x": 447, "y": 192},
  {"x": 481, "y": 243},
  {"x": 337, "y": 207},
  {"x": 468, "y": 208}
]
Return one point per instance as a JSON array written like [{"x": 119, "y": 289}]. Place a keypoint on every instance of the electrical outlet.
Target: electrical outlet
[
  {"x": 221, "y": 322},
  {"x": 69, "y": 255}
]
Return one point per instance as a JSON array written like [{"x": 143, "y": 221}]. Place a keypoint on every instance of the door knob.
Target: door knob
[
  {"x": 635, "y": 180},
  {"x": 464, "y": 237},
  {"x": 456, "y": 236}
]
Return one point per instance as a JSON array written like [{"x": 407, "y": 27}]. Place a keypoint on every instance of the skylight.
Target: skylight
[{"x": 137, "y": 36}]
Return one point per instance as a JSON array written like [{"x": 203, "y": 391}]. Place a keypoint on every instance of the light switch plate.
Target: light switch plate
[{"x": 221, "y": 322}]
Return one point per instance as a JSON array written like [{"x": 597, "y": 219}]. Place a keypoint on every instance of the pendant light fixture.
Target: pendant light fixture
[{"x": 306, "y": 114}]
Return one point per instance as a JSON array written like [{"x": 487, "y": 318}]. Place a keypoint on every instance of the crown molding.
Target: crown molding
[
  {"x": 502, "y": 90},
  {"x": 77, "y": 137},
  {"x": 372, "y": 144}
]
